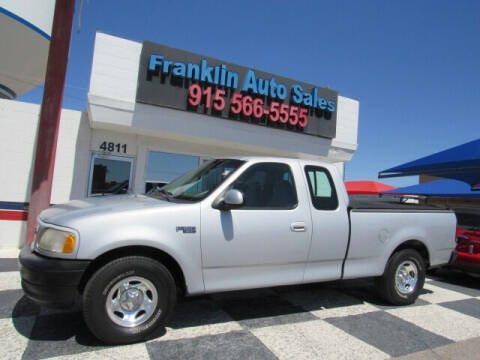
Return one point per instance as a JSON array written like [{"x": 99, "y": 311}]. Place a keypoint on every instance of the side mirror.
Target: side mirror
[{"x": 233, "y": 199}]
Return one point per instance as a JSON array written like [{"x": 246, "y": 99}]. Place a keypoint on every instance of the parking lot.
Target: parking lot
[{"x": 320, "y": 321}]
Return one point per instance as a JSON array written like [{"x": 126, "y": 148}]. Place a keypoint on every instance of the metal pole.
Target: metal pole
[{"x": 51, "y": 109}]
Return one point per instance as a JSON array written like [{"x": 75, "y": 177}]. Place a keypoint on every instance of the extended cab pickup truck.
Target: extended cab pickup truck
[{"x": 231, "y": 224}]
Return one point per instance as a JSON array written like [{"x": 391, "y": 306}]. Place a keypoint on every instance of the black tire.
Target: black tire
[
  {"x": 105, "y": 278},
  {"x": 386, "y": 283}
]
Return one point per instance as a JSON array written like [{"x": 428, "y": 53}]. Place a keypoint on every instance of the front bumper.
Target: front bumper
[{"x": 51, "y": 282}]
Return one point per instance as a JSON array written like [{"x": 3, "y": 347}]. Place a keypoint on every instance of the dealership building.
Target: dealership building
[{"x": 154, "y": 112}]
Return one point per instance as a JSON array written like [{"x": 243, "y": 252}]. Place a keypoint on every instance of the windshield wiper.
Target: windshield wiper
[
  {"x": 185, "y": 197},
  {"x": 166, "y": 194}
]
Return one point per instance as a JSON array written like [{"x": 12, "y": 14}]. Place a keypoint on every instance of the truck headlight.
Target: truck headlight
[{"x": 58, "y": 241}]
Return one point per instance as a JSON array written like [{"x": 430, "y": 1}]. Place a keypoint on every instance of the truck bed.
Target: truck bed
[
  {"x": 390, "y": 205},
  {"x": 379, "y": 225}
]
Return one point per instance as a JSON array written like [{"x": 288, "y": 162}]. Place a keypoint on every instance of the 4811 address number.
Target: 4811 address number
[
  {"x": 111, "y": 147},
  {"x": 248, "y": 106}
]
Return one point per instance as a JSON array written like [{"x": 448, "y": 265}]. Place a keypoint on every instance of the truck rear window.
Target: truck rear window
[{"x": 322, "y": 190}]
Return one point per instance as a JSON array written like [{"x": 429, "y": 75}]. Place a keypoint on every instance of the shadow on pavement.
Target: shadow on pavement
[
  {"x": 52, "y": 325},
  {"x": 59, "y": 333},
  {"x": 456, "y": 277}
]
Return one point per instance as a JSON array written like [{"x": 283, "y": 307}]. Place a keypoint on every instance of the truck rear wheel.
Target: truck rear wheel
[
  {"x": 403, "y": 278},
  {"x": 127, "y": 299}
]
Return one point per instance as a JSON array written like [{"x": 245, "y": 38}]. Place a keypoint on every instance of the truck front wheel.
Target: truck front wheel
[
  {"x": 127, "y": 299},
  {"x": 403, "y": 278}
]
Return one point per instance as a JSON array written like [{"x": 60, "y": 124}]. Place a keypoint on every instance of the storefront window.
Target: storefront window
[
  {"x": 164, "y": 167},
  {"x": 110, "y": 175}
]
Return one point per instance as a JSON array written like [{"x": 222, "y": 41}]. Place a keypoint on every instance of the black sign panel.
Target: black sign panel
[{"x": 190, "y": 82}]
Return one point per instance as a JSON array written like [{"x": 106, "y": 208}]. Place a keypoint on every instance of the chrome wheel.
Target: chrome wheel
[
  {"x": 406, "y": 277},
  {"x": 131, "y": 301}
]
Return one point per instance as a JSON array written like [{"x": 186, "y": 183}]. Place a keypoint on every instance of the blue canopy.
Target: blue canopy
[
  {"x": 439, "y": 188},
  {"x": 460, "y": 162}
]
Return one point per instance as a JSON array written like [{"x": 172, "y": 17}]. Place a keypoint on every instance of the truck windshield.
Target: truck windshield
[{"x": 198, "y": 183}]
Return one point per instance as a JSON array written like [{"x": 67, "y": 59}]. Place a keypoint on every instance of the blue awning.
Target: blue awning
[
  {"x": 461, "y": 163},
  {"x": 438, "y": 188}
]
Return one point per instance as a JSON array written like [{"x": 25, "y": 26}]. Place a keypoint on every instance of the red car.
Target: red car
[{"x": 468, "y": 243}]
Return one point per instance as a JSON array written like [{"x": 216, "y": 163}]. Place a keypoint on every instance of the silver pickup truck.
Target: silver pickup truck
[{"x": 231, "y": 224}]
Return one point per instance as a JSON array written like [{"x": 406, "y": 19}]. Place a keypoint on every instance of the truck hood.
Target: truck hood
[{"x": 63, "y": 214}]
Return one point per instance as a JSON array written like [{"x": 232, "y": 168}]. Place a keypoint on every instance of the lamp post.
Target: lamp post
[{"x": 47, "y": 133}]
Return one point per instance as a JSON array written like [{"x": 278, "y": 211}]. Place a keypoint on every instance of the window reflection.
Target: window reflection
[{"x": 110, "y": 176}]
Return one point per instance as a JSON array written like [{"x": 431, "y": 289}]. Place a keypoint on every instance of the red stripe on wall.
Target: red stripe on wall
[{"x": 13, "y": 215}]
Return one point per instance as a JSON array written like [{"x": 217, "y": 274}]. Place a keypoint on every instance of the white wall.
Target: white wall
[
  {"x": 72, "y": 161},
  {"x": 18, "y": 127},
  {"x": 111, "y": 106}
]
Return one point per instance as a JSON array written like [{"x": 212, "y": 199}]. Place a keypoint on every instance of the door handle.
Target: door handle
[{"x": 298, "y": 226}]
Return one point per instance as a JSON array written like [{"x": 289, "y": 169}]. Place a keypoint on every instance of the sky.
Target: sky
[{"x": 412, "y": 65}]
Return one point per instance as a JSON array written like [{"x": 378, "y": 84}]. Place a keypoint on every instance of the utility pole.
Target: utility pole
[{"x": 50, "y": 112}]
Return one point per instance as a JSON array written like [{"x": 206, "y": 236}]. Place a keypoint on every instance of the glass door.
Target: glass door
[{"x": 110, "y": 175}]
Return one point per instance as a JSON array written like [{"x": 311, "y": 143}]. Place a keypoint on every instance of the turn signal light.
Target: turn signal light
[{"x": 69, "y": 244}]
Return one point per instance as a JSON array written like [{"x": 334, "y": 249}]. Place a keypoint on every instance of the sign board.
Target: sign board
[{"x": 190, "y": 82}]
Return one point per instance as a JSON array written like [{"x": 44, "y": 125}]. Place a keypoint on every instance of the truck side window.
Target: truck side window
[
  {"x": 322, "y": 190},
  {"x": 267, "y": 186}
]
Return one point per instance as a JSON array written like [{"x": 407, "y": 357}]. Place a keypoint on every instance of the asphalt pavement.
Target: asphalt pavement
[{"x": 337, "y": 320}]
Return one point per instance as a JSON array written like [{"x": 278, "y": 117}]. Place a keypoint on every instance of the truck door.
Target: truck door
[
  {"x": 330, "y": 226},
  {"x": 265, "y": 242}
]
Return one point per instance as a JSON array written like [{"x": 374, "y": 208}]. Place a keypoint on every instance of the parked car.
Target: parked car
[
  {"x": 468, "y": 242},
  {"x": 231, "y": 224}
]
